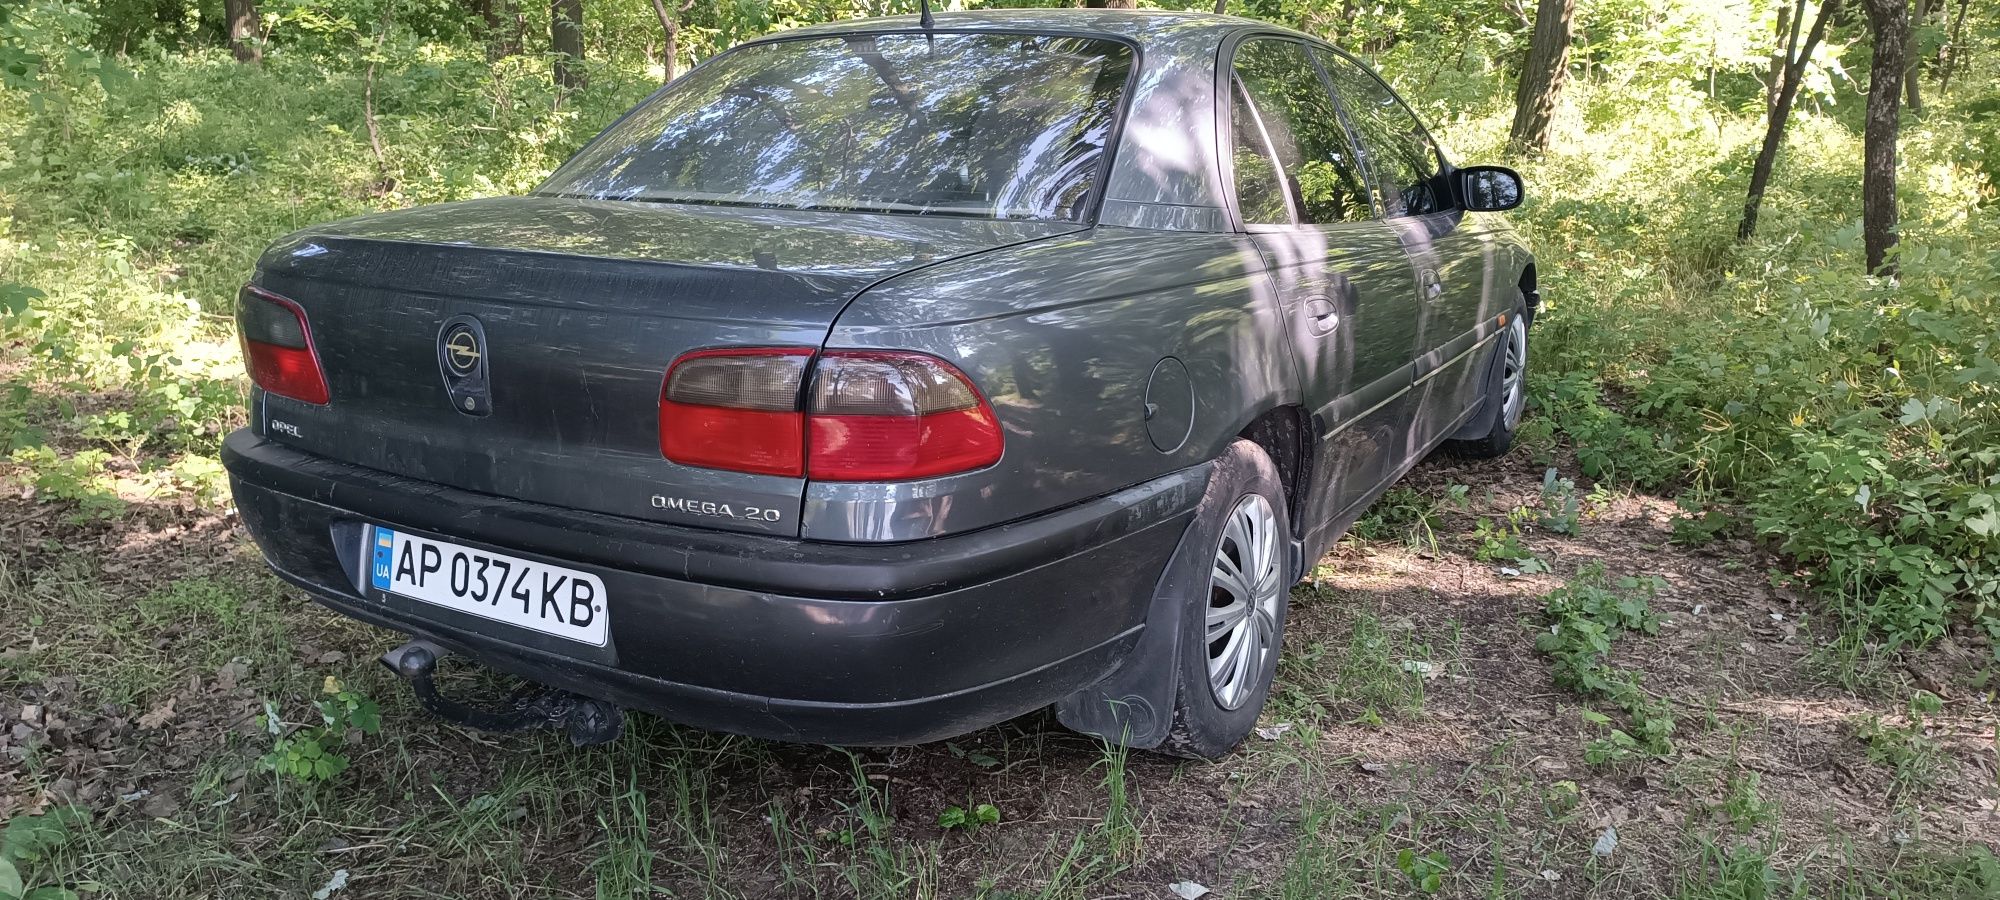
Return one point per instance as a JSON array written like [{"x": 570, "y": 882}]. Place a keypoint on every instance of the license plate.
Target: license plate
[{"x": 537, "y": 596}]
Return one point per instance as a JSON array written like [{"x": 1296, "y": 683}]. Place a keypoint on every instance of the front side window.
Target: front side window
[
  {"x": 1010, "y": 126},
  {"x": 1400, "y": 154},
  {"x": 1281, "y": 101}
]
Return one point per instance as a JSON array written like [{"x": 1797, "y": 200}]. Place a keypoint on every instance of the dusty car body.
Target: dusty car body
[{"x": 1041, "y": 391}]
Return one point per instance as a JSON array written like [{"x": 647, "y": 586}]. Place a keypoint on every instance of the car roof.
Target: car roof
[{"x": 1139, "y": 25}]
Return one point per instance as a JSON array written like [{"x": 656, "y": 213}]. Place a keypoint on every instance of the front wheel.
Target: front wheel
[
  {"x": 1507, "y": 393},
  {"x": 1233, "y": 620}
]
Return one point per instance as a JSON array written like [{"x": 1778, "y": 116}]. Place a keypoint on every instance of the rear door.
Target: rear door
[
  {"x": 1343, "y": 280},
  {"x": 1407, "y": 175}
]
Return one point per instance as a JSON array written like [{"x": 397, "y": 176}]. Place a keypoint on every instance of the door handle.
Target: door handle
[
  {"x": 1433, "y": 285},
  {"x": 1321, "y": 317}
]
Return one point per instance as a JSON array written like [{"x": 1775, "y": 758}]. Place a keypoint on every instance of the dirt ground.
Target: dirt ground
[{"x": 1417, "y": 743}]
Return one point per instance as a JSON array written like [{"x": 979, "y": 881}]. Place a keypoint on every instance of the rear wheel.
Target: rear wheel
[
  {"x": 1234, "y": 619},
  {"x": 1507, "y": 392}
]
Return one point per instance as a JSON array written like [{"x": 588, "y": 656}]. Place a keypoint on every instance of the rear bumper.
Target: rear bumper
[{"x": 770, "y": 637}]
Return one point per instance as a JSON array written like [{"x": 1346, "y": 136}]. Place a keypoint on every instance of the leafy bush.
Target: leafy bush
[
  {"x": 28, "y": 841},
  {"x": 1585, "y": 616},
  {"x": 306, "y": 752},
  {"x": 969, "y": 817}
]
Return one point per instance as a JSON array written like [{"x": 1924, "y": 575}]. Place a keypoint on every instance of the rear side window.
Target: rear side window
[
  {"x": 1400, "y": 153},
  {"x": 1281, "y": 103},
  {"x": 1009, "y": 126}
]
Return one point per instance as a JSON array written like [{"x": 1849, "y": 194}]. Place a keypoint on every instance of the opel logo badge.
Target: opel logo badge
[{"x": 461, "y": 350}]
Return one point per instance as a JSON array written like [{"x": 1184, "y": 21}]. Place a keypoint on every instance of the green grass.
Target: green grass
[
  {"x": 124, "y": 650},
  {"x": 1376, "y": 676}
]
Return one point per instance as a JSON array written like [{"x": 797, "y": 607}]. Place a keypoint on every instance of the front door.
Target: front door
[
  {"x": 1344, "y": 282},
  {"x": 1449, "y": 253}
]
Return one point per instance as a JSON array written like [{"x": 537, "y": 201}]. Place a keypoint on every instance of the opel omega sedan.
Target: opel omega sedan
[{"x": 880, "y": 381}]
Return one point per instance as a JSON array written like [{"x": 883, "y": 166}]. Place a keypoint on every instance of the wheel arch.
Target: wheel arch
[
  {"x": 1284, "y": 432},
  {"x": 1530, "y": 290}
]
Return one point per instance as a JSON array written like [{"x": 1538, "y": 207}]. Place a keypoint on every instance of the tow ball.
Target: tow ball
[{"x": 587, "y": 720}]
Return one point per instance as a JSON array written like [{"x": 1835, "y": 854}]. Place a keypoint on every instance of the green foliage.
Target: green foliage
[
  {"x": 28, "y": 841},
  {"x": 1849, "y": 419},
  {"x": 1698, "y": 524},
  {"x": 970, "y": 817},
  {"x": 1906, "y": 749},
  {"x": 135, "y": 206},
  {"x": 1379, "y": 675},
  {"x": 977, "y": 757},
  {"x": 1585, "y": 616},
  {"x": 307, "y": 752},
  {"x": 1561, "y": 798},
  {"x": 1410, "y": 515},
  {"x": 79, "y": 477},
  {"x": 1743, "y": 804},
  {"x": 1561, "y": 510},
  {"x": 1498, "y": 540},
  {"x": 1425, "y": 871}
]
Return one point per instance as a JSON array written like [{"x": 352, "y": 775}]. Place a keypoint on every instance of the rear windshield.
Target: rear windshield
[{"x": 1008, "y": 126}]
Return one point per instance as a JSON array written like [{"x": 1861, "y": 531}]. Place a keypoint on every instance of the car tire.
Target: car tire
[
  {"x": 1224, "y": 675},
  {"x": 1506, "y": 392}
]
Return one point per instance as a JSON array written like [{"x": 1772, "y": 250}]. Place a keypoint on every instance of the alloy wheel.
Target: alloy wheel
[
  {"x": 1244, "y": 593},
  {"x": 1514, "y": 374}
]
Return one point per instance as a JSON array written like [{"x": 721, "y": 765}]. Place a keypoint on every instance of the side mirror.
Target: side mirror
[{"x": 1489, "y": 188}]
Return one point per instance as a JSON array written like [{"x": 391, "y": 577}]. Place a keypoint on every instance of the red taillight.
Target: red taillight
[
  {"x": 869, "y": 415},
  {"x": 278, "y": 347},
  {"x": 882, "y": 416},
  {"x": 736, "y": 409}
]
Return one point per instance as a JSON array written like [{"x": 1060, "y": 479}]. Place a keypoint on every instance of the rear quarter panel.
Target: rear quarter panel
[{"x": 1063, "y": 337}]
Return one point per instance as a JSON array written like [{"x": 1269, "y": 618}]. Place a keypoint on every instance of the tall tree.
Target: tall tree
[
  {"x": 566, "y": 40},
  {"x": 503, "y": 38},
  {"x": 243, "y": 36},
  {"x": 1542, "y": 75},
  {"x": 1920, "y": 11},
  {"x": 1890, "y": 22},
  {"x": 670, "y": 25},
  {"x": 1781, "y": 57},
  {"x": 1949, "y": 53},
  {"x": 1796, "y": 57}
]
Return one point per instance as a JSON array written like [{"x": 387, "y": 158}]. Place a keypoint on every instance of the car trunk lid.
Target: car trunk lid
[{"x": 578, "y": 308}]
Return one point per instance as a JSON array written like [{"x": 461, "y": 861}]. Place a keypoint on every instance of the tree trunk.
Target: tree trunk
[
  {"x": 1221, "y": 7},
  {"x": 1890, "y": 21},
  {"x": 383, "y": 183},
  {"x": 1781, "y": 53},
  {"x": 1542, "y": 76},
  {"x": 1796, "y": 57},
  {"x": 243, "y": 36},
  {"x": 494, "y": 16},
  {"x": 671, "y": 27},
  {"x": 1912, "y": 96},
  {"x": 1949, "y": 53},
  {"x": 566, "y": 40},
  {"x": 1111, "y": 4}
]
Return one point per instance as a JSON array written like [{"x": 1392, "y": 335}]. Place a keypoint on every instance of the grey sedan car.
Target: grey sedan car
[{"x": 880, "y": 381}]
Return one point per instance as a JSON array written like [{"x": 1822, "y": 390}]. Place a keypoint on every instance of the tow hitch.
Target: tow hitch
[{"x": 588, "y": 721}]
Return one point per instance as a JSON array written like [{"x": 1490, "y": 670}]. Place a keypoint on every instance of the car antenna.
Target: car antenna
[{"x": 924, "y": 17}]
